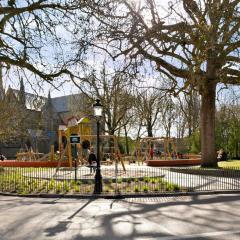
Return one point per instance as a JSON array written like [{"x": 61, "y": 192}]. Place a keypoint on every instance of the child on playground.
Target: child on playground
[{"x": 151, "y": 153}]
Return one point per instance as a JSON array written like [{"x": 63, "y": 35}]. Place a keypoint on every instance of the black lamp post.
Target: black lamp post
[{"x": 98, "y": 109}]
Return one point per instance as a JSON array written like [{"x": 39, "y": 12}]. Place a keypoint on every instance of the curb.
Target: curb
[{"x": 120, "y": 196}]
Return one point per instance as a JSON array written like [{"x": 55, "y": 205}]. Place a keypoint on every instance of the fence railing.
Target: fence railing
[{"x": 134, "y": 180}]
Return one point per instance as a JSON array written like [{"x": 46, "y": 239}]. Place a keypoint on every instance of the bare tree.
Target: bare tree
[
  {"x": 168, "y": 115},
  {"x": 189, "y": 106},
  {"x": 148, "y": 103},
  {"x": 196, "y": 43},
  {"x": 181, "y": 121},
  {"x": 31, "y": 36},
  {"x": 115, "y": 94}
]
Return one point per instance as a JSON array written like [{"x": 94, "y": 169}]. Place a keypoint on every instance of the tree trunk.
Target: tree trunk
[
  {"x": 126, "y": 140},
  {"x": 207, "y": 123},
  {"x": 149, "y": 129}
]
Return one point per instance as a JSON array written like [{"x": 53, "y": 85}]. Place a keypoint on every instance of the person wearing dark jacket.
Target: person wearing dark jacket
[{"x": 92, "y": 159}]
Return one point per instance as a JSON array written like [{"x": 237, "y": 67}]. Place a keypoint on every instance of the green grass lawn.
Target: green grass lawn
[{"x": 229, "y": 164}]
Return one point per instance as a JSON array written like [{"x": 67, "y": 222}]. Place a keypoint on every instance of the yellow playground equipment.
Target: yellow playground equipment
[
  {"x": 109, "y": 150},
  {"x": 155, "y": 148}
]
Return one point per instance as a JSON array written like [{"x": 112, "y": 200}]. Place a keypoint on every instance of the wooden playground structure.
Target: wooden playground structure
[
  {"x": 150, "y": 148},
  {"x": 109, "y": 151},
  {"x": 153, "y": 151},
  {"x": 160, "y": 151}
]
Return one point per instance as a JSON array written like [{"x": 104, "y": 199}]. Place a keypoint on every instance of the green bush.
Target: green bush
[
  {"x": 156, "y": 189},
  {"x": 145, "y": 188},
  {"x": 44, "y": 185},
  {"x": 129, "y": 180},
  {"x": 153, "y": 180},
  {"x": 66, "y": 186},
  {"x": 176, "y": 187},
  {"x": 169, "y": 187},
  {"x": 119, "y": 180},
  {"x": 136, "y": 189},
  {"x": 51, "y": 184},
  {"x": 25, "y": 191},
  {"x": 79, "y": 182},
  {"x": 59, "y": 188},
  {"x": 159, "y": 180},
  {"x": 76, "y": 188},
  {"x": 146, "y": 179}
]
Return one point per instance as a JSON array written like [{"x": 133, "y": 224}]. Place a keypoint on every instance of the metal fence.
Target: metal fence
[{"x": 135, "y": 180}]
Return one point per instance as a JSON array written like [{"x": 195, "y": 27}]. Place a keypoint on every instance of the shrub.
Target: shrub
[
  {"x": 136, "y": 189},
  {"x": 119, "y": 180},
  {"x": 124, "y": 180},
  {"x": 153, "y": 180},
  {"x": 172, "y": 187},
  {"x": 159, "y": 180},
  {"x": 156, "y": 189},
  {"x": 79, "y": 182},
  {"x": 44, "y": 185},
  {"x": 59, "y": 188},
  {"x": 76, "y": 188},
  {"x": 66, "y": 186},
  {"x": 129, "y": 180},
  {"x": 24, "y": 192},
  {"x": 35, "y": 184},
  {"x": 51, "y": 184},
  {"x": 176, "y": 187},
  {"x": 145, "y": 188},
  {"x": 169, "y": 187},
  {"x": 146, "y": 179}
]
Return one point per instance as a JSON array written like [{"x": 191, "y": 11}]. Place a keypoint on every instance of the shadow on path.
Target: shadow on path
[{"x": 80, "y": 209}]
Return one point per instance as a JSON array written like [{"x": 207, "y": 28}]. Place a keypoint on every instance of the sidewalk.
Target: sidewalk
[{"x": 169, "y": 218}]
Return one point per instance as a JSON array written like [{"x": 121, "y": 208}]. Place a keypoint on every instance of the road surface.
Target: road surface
[{"x": 165, "y": 218}]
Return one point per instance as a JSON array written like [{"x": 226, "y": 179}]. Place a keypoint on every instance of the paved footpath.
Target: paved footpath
[{"x": 192, "y": 217}]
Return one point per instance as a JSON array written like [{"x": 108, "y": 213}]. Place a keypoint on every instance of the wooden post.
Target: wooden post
[
  {"x": 52, "y": 152},
  {"x": 60, "y": 143},
  {"x": 69, "y": 154}
]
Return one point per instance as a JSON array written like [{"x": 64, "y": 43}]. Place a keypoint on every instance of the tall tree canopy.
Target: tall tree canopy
[
  {"x": 115, "y": 94},
  {"x": 195, "y": 43},
  {"x": 32, "y": 33}
]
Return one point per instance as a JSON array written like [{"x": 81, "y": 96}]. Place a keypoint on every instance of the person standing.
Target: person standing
[{"x": 92, "y": 160}]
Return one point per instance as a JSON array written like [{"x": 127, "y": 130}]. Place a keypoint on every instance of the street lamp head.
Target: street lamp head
[{"x": 98, "y": 108}]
